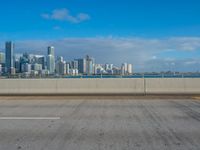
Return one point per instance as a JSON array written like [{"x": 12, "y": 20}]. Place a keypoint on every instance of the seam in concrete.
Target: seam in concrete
[{"x": 145, "y": 92}]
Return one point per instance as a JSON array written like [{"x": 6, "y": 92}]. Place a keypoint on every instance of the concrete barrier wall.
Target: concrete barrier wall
[
  {"x": 172, "y": 86},
  {"x": 71, "y": 86},
  {"x": 100, "y": 86}
]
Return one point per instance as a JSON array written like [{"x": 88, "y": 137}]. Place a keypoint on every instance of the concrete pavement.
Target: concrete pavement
[{"x": 99, "y": 124}]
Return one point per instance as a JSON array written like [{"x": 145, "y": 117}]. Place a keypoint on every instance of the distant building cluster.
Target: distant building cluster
[{"x": 49, "y": 65}]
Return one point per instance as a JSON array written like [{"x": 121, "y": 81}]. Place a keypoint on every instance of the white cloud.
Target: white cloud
[
  {"x": 181, "y": 65},
  {"x": 144, "y": 53},
  {"x": 185, "y": 43},
  {"x": 64, "y": 15}
]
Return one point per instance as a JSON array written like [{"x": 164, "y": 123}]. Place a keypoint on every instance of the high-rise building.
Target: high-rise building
[
  {"x": 2, "y": 58},
  {"x": 0, "y": 69},
  {"x": 41, "y": 60},
  {"x": 82, "y": 66},
  {"x": 17, "y": 65},
  {"x": 26, "y": 68},
  {"x": 116, "y": 70},
  {"x": 60, "y": 59},
  {"x": 74, "y": 64},
  {"x": 61, "y": 66},
  {"x": 123, "y": 70},
  {"x": 129, "y": 69},
  {"x": 67, "y": 68},
  {"x": 37, "y": 67},
  {"x": 51, "y": 50},
  {"x": 51, "y": 64},
  {"x": 89, "y": 65},
  {"x": 107, "y": 67},
  {"x": 51, "y": 60},
  {"x": 99, "y": 69},
  {"x": 126, "y": 69},
  {"x": 73, "y": 72},
  {"x": 9, "y": 47}
]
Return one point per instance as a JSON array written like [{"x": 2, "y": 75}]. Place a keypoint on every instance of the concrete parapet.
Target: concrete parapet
[
  {"x": 172, "y": 86},
  {"x": 100, "y": 86},
  {"x": 71, "y": 86}
]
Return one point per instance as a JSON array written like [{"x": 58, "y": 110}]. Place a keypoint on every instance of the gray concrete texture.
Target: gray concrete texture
[
  {"x": 173, "y": 86},
  {"x": 101, "y": 86},
  {"x": 100, "y": 124}
]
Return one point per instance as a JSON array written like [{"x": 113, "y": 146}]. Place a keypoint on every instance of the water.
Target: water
[{"x": 138, "y": 76}]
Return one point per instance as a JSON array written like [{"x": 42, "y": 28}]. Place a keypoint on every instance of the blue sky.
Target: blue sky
[{"x": 151, "y": 33}]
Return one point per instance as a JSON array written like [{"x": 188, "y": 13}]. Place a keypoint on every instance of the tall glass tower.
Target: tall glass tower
[
  {"x": 51, "y": 50},
  {"x": 9, "y": 47},
  {"x": 89, "y": 65},
  {"x": 51, "y": 60},
  {"x": 82, "y": 66},
  {"x": 2, "y": 58}
]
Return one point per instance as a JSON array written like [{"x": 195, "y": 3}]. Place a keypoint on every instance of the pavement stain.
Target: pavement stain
[{"x": 196, "y": 98}]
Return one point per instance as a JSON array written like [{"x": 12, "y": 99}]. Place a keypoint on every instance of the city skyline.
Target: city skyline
[
  {"x": 154, "y": 64},
  {"x": 50, "y": 65},
  {"x": 152, "y": 35}
]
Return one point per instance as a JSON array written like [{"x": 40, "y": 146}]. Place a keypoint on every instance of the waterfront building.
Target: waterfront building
[
  {"x": 61, "y": 66},
  {"x": 9, "y": 47},
  {"x": 108, "y": 66},
  {"x": 2, "y": 58},
  {"x": 82, "y": 66},
  {"x": 126, "y": 69},
  {"x": 26, "y": 68},
  {"x": 73, "y": 72},
  {"x": 99, "y": 69},
  {"x": 90, "y": 65},
  {"x": 51, "y": 50},
  {"x": 129, "y": 69},
  {"x": 40, "y": 59},
  {"x": 51, "y": 60},
  {"x": 123, "y": 72},
  {"x": 74, "y": 64},
  {"x": 17, "y": 65},
  {"x": 116, "y": 70},
  {"x": 1, "y": 69},
  {"x": 67, "y": 68},
  {"x": 37, "y": 67}
]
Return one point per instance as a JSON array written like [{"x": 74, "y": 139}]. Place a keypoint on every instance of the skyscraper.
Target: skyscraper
[
  {"x": 60, "y": 66},
  {"x": 0, "y": 69},
  {"x": 89, "y": 65},
  {"x": 74, "y": 64},
  {"x": 41, "y": 60},
  {"x": 67, "y": 68},
  {"x": 126, "y": 69},
  {"x": 9, "y": 47},
  {"x": 82, "y": 66},
  {"x": 130, "y": 69},
  {"x": 37, "y": 67},
  {"x": 2, "y": 58},
  {"x": 17, "y": 65},
  {"x": 26, "y": 68},
  {"x": 51, "y": 50},
  {"x": 51, "y": 60}
]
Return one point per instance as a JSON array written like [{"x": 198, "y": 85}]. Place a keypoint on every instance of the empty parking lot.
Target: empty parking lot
[{"x": 99, "y": 124}]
